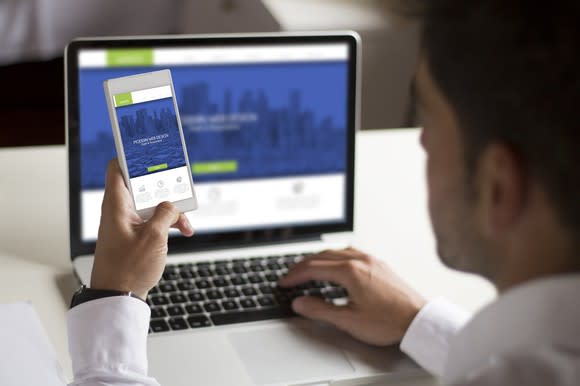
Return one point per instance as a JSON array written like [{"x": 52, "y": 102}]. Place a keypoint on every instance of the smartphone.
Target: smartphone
[{"x": 149, "y": 141}]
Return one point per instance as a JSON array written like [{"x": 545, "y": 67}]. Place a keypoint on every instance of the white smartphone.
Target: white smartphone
[{"x": 149, "y": 141}]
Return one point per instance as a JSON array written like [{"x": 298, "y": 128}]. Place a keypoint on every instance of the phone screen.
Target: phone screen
[{"x": 154, "y": 151}]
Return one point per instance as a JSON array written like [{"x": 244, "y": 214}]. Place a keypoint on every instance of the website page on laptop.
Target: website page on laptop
[{"x": 265, "y": 129}]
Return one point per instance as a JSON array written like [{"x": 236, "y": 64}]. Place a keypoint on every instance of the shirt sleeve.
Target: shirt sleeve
[
  {"x": 108, "y": 342},
  {"x": 428, "y": 337},
  {"x": 530, "y": 366}
]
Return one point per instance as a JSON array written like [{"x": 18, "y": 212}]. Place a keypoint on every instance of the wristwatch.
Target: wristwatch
[{"x": 85, "y": 294}]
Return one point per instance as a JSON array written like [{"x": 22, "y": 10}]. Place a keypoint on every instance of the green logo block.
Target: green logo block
[
  {"x": 133, "y": 57},
  {"x": 214, "y": 167},
  {"x": 123, "y": 99}
]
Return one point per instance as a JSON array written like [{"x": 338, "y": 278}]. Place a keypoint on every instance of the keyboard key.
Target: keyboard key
[
  {"x": 238, "y": 280},
  {"x": 196, "y": 296},
  {"x": 187, "y": 274},
  {"x": 220, "y": 282},
  {"x": 239, "y": 269},
  {"x": 256, "y": 268},
  {"x": 202, "y": 264},
  {"x": 266, "y": 289},
  {"x": 222, "y": 270},
  {"x": 250, "y": 316},
  {"x": 198, "y": 321},
  {"x": 229, "y": 305},
  {"x": 274, "y": 266},
  {"x": 202, "y": 284},
  {"x": 185, "y": 285},
  {"x": 167, "y": 287},
  {"x": 212, "y": 307},
  {"x": 159, "y": 325},
  {"x": 175, "y": 311},
  {"x": 271, "y": 277},
  {"x": 193, "y": 309},
  {"x": 231, "y": 293},
  {"x": 255, "y": 279},
  {"x": 266, "y": 301},
  {"x": 158, "y": 312},
  {"x": 159, "y": 300},
  {"x": 247, "y": 303},
  {"x": 178, "y": 323},
  {"x": 249, "y": 291},
  {"x": 170, "y": 268},
  {"x": 178, "y": 298},
  {"x": 214, "y": 294},
  {"x": 204, "y": 272},
  {"x": 170, "y": 275}
]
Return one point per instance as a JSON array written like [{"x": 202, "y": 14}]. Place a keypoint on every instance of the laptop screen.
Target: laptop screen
[{"x": 266, "y": 127}]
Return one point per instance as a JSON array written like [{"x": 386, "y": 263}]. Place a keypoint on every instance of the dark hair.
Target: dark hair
[{"x": 510, "y": 70}]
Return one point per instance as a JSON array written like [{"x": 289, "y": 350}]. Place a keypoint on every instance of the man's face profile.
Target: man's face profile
[{"x": 452, "y": 208}]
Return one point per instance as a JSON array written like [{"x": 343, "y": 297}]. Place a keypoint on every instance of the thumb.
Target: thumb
[
  {"x": 166, "y": 215},
  {"x": 317, "y": 309}
]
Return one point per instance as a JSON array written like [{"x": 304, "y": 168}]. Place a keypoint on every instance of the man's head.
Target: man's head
[{"x": 498, "y": 87}]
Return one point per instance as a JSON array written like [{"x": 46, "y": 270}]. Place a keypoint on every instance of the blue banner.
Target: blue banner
[{"x": 273, "y": 120}]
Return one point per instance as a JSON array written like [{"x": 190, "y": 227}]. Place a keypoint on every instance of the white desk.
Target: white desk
[{"x": 391, "y": 222}]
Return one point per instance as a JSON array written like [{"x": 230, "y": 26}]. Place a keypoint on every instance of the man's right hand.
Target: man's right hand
[
  {"x": 381, "y": 306},
  {"x": 131, "y": 253}
]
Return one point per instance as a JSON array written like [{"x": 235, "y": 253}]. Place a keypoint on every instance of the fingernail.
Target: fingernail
[{"x": 297, "y": 305}]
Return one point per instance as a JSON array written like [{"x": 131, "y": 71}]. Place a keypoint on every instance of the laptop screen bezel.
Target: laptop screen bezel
[{"x": 79, "y": 247}]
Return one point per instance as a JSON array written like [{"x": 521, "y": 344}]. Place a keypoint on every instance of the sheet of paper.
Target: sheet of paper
[{"x": 26, "y": 356}]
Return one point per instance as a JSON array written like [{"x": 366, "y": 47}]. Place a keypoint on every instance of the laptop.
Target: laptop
[{"x": 269, "y": 121}]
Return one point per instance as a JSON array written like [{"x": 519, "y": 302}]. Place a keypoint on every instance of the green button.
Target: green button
[
  {"x": 130, "y": 57},
  {"x": 123, "y": 99},
  {"x": 214, "y": 167},
  {"x": 156, "y": 167}
]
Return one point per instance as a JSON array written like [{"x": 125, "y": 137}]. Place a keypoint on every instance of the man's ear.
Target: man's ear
[{"x": 501, "y": 184}]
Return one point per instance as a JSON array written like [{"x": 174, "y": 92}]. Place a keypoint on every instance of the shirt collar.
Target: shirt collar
[{"x": 541, "y": 312}]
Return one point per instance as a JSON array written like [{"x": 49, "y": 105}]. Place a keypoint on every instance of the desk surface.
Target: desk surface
[{"x": 391, "y": 222}]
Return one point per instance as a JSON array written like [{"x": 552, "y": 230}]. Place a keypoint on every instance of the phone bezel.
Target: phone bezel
[
  {"x": 80, "y": 247},
  {"x": 136, "y": 83}
]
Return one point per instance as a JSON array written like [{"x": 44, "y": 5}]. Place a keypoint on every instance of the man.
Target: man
[{"x": 498, "y": 89}]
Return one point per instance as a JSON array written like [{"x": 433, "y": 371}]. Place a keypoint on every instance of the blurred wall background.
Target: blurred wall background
[{"x": 33, "y": 34}]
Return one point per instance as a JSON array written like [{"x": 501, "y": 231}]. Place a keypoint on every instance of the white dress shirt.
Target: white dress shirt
[{"x": 529, "y": 336}]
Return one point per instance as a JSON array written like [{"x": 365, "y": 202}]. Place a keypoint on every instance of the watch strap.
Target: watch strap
[{"x": 85, "y": 294}]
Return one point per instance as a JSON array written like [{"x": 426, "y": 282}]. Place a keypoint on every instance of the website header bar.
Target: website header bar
[
  {"x": 212, "y": 55},
  {"x": 150, "y": 94}
]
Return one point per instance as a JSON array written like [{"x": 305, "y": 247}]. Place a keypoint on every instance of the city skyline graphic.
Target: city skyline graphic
[
  {"x": 150, "y": 136},
  {"x": 271, "y": 130}
]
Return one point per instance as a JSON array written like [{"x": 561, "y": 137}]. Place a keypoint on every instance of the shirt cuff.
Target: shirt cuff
[
  {"x": 428, "y": 337},
  {"x": 109, "y": 335}
]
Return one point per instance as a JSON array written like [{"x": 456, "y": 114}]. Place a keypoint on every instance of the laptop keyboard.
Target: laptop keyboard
[{"x": 205, "y": 294}]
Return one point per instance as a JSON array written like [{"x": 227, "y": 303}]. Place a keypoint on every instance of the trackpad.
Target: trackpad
[{"x": 286, "y": 354}]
